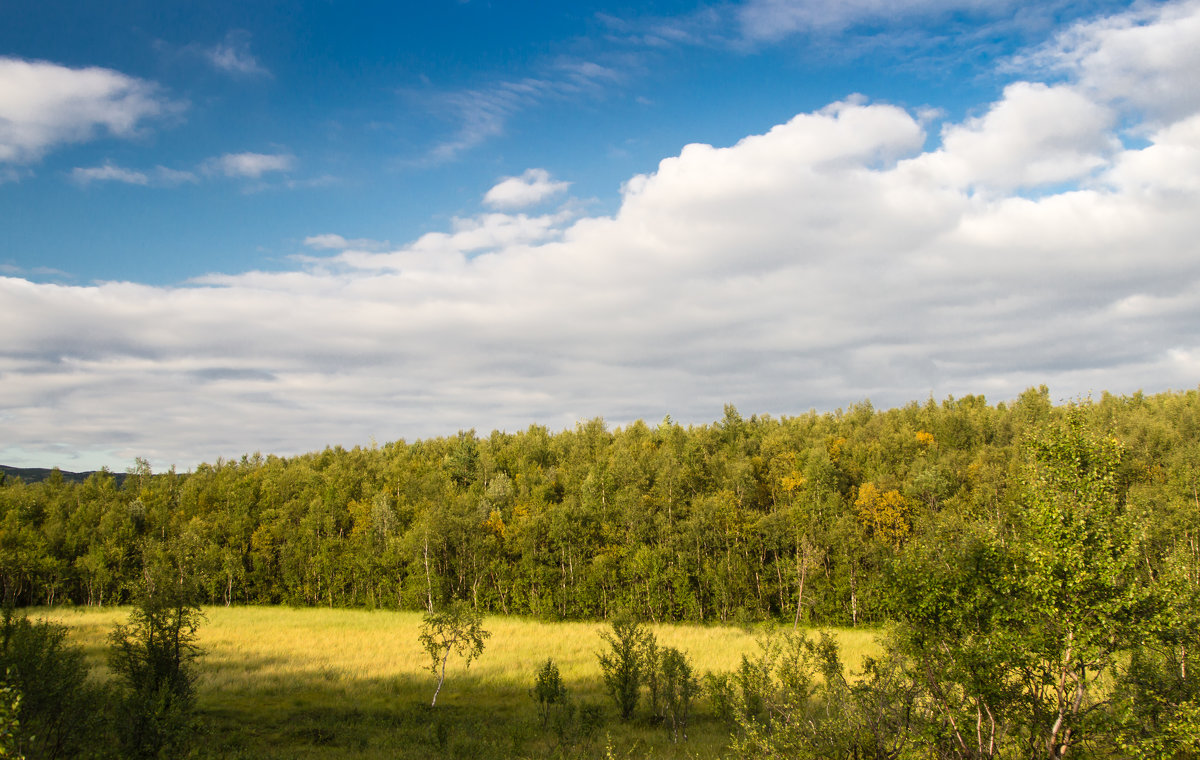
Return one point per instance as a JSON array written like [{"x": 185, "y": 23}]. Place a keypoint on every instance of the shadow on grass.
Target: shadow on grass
[{"x": 315, "y": 716}]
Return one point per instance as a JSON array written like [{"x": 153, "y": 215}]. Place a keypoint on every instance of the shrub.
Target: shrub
[
  {"x": 722, "y": 696},
  {"x": 49, "y": 676},
  {"x": 591, "y": 718},
  {"x": 10, "y": 724},
  {"x": 623, "y": 666},
  {"x": 679, "y": 687},
  {"x": 549, "y": 691},
  {"x": 154, "y": 656},
  {"x": 652, "y": 671}
]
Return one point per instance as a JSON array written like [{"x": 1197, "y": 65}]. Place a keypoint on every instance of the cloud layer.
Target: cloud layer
[{"x": 1049, "y": 239}]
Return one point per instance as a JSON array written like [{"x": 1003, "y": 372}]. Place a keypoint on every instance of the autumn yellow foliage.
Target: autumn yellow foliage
[
  {"x": 884, "y": 514},
  {"x": 791, "y": 482}
]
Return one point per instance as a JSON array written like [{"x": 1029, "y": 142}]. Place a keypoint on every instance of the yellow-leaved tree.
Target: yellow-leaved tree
[{"x": 886, "y": 515}]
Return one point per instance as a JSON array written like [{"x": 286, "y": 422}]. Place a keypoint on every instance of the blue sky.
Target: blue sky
[
  {"x": 396, "y": 117},
  {"x": 232, "y": 227}
]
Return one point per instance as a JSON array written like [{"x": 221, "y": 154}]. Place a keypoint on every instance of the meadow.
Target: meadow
[{"x": 278, "y": 682}]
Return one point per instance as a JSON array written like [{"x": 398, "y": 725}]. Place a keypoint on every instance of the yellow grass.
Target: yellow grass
[{"x": 272, "y": 671}]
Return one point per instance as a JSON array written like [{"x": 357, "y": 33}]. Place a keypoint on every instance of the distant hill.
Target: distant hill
[{"x": 38, "y": 474}]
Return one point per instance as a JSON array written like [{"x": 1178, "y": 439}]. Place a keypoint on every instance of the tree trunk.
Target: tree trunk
[
  {"x": 800, "y": 595},
  {"x": 429, "y": 588},
  {"x": 441, "y": 679}
]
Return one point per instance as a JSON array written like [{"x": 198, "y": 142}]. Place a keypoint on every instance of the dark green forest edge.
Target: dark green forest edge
[{"x": 1035, "y": 567}]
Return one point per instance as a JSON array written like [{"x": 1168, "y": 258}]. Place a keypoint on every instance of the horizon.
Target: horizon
[{"x": 613, "y": 427}]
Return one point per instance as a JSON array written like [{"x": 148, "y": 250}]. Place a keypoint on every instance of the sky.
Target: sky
[{"x": 236, "y": 227}]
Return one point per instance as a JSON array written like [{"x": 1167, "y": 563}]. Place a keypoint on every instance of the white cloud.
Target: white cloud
[
  {"x": 1147, "y": 57},
  {"x": 1035, "y": 135},
  {"x": 831, "y": 259},
  {"x": 43, "y": 105},
  {"x": 1170, "y": 165},
  {"x": 327, "y": 242},
  {"x": 252, "y": 165},
  {"x": 171, "y": 177},
  {"x": 482, "y": 113},
  {"x": 108, "y": 173},
  {"x": 233, "y": 56},
  {"x": 470, "y": 237},
  {"x": 330, "y": 242},
  {"x": 772, "y": 20},
  {"x": 530, "y": 189}
]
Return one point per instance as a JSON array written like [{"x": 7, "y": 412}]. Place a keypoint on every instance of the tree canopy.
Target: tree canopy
[{"x": 792, "y": 518}]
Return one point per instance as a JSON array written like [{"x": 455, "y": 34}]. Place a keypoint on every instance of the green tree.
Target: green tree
[
  {"x": 459, "y": 628},
  {"x": 1081, "y": 596},
  {"x": 1014, "y": 633}
]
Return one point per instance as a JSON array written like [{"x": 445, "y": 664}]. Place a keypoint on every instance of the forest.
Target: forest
[
  {"x": 1035, "y": 565},
  {"x": 796, "y": 518}
]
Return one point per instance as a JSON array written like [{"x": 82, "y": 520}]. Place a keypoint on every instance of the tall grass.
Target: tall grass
[{"x": 322, "y": 683}]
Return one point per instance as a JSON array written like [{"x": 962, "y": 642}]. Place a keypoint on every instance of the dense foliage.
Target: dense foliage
[
  {"x": 796, "y": 519},
  {"x": 1042, "y": 637}
]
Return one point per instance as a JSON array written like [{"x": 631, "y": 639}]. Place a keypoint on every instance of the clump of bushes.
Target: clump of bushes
[
  {"x": 50, "y": 707},
  {"x": 634, "y": 660}
]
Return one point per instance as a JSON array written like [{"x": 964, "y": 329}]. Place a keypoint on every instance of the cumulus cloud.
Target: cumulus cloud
[
  {"x": 530, "y": 189},
  {"x": 1035, "y": 135},
  {"x": 833, "y": 258},
  {"x": 251, "y": 165},
  {"x": 1169, "y": 166},
  {"x": 43, "y": 105}
]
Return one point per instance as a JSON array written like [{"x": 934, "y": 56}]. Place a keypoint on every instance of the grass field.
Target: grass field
[{"x": 277, "y": 682}]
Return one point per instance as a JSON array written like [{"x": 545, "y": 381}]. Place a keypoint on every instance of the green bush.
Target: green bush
[
  {"x": 678, "y": 686},
  {"x": 58, "y": 707},
  {"x": 549, "y": 691},
  {"x": 722, "y": 696},
  {"x": 154, "y": 657},
  {"x": 591, "y": 718},
  {"x": 10, "y": 723},
  {"x": 624, "y": 665}
]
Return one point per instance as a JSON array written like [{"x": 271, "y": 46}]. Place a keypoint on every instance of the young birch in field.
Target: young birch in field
[{"x": 458, "y": 629}]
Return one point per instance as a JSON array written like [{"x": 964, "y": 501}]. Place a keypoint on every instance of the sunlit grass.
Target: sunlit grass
[{"x": 281, "y": 682}]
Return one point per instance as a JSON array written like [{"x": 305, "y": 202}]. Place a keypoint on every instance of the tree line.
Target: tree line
[{"x": 798, "y": 518}]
